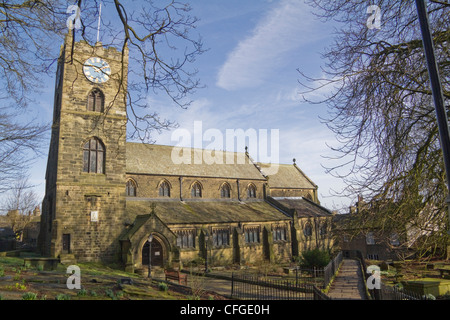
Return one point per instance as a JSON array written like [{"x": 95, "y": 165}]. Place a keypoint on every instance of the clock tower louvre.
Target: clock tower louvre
[{"x": 84, "y": 204}]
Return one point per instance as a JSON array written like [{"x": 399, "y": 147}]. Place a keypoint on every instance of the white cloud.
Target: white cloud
[
  {"x": 308, "y": 145},
  {"x": 288, "y": 26}
]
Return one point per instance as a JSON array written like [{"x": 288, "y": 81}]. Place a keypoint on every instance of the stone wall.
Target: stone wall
[{"x": 148, "y": 186}]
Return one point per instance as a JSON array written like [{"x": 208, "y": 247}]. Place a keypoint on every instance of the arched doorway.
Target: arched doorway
[{"x": 156, "y": 252}]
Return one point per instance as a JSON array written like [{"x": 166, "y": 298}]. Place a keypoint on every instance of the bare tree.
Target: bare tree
[
  {"x": 20, "y": 203},
  {"x": 381, "y": 110},
  {"x": 20, "y": 144},
  {"x": 157, "y": 35},
  {"x": 27, "y": 28}
]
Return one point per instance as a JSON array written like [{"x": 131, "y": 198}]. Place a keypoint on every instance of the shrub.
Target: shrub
[
  {"x": 314, "y": 258},
  {"x": 163, "y": 286},
  {"x": 29, "y": 296},
  {"x": 62, "y": 296},
  {"x": 109, "y": 293},
  {"x": 82, "y": 293},
  {"x": 21, "y": 286}
]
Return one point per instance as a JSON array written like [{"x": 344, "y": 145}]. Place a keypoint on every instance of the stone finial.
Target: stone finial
[
  {"x": 153, "y": 206},
  {"x": 294, "y": 161}
]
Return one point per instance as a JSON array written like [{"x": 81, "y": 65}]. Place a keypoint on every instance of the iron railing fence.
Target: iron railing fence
[
  {"x": 257, "y": 287},
  {"x": 320, "y": 277},
  {"x": 393, "y": 293}
]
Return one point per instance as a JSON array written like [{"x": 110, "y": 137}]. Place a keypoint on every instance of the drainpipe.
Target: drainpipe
[
  {"x": 181, "y": 188},
  {"x": 238, "y": 190}
]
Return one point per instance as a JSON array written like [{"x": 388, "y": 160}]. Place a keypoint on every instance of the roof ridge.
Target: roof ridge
[{"x": 193, "y": 148}]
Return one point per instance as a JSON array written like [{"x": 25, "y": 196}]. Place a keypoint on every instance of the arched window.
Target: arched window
[
  {"x": 323, "y": 229},
  {"x": 196, "y": 191},
  {"x": 251, "y": 191},
  {"x": 131, "y": 188},
  {"x": 225, "y": 191},
  {"x": 95, "y": 101},
  {"x": 307, "y": 231},
  {"x": 93, "y": 156},
  {"x": 164, "y": 189}
]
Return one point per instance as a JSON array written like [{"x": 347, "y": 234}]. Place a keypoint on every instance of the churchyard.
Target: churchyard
[{"x": 19, "y": 281}]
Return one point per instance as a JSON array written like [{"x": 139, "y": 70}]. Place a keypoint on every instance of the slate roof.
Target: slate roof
[
  {"x": 287, "y": 176},
  {"x": 159, "y": 160},
  {"x": 305, "y": 208},
  {"x": 207, "y": 212}
]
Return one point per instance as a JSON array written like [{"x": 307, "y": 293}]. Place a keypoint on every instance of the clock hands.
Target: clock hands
[{"x": 97, "y": 70}]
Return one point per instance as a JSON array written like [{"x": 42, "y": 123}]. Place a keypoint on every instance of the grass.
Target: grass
[
  {"x": 98, "y": 282},
  {"x": 11, "y": 262}
]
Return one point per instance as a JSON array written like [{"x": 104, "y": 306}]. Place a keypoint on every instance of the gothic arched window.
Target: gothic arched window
[
  {"x": 93, "y": 156},
  {"x": 95, "y": 101},
  {"x": 225, "y": 191},
  {"x": 323, "y": 230},
  {"x": 307, "y": 231},
  {"x": 164, "y": 189},
  {"x": 196, "y": 191},
  {"x": 131, "y": 188},
  {"x": 251, "y": 191}
]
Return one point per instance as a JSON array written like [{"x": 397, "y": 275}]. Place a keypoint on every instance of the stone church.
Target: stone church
[{"x": 105, "y": 196}]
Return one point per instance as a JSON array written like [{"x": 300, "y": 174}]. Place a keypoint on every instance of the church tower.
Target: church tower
[{"x": 84, "y": 205}]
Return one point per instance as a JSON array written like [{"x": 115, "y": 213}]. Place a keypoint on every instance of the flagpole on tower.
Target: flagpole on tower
[{"x": 98, "y": 26}]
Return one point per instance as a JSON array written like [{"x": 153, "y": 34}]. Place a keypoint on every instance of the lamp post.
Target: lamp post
[
  {"x": 436, "y": 88},
  {"x": 206, "y": 251},
  {"x": 150, "y": 238}
]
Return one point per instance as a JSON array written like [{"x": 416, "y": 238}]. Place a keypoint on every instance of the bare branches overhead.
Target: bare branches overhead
[
  {"x": 381, "y": 110},
  {"x": 156, "y": 34}
]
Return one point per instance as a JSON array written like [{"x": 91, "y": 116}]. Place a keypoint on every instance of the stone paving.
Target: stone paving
[{"x": 349, "y": 282}]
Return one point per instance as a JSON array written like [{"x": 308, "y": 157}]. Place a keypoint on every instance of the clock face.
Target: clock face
[{"x": 97, "y": 70}]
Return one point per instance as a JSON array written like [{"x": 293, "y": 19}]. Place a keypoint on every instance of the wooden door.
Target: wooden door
[
  {"x": 157, "y": 253},
  {"x": 66, "y": 243}
]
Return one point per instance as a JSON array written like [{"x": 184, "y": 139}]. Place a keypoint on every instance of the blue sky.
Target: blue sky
[{"x": 251, "y": 82}]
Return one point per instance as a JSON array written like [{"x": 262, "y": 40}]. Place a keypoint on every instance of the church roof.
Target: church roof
[
  {"x": 207, "y": 211},
  {"x": 166, "y": 160},
  {"x": 287, "y": 176},
  {"x": 304, "y": 207}
]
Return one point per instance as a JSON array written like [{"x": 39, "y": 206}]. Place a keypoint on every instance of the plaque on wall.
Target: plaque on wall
[{"x": 94, "y": 216}]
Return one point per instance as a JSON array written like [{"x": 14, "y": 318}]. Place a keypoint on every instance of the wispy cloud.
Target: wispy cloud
[{"x": 287, "y": 26}]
